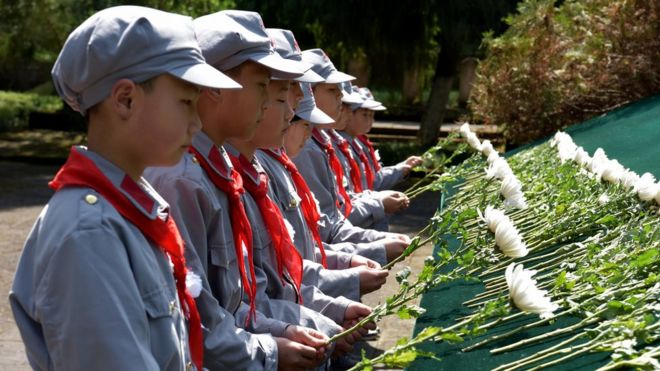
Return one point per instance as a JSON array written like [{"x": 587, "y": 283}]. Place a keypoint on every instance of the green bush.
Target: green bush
[
  {"x": 558, "y": 65},
  {"x": 15, "y": 108}
]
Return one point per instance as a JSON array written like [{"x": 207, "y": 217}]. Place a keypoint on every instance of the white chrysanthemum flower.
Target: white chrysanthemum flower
[
  {"x": 377, "y": 155},
  {"x": 511, "y": 186},
  {"x": 474, "y": 141},
  {"x": 645, "y": 187},
  {"x": 598, "y": 162},
  {"x": 629, "y": 179},
  {"x": 516, "y": 201},
  {"x": 582, "y": 157},
  {"x": 509, "y": 240},
  {"x": 492, "y": 157},
  {"x": 493, "y": 217},
  {"x": 567, "y": 150},
  {"x": 193, "y": 283},
  {"x": 289, "y": 228},
  {"x": 557, "y": 138},
  {"x": 657, "y": 193},
  {"x": 613, "y": 172},
  {"x": 499, "y": 169},
  {"x": 487, "y": 147},
  {"x": 524, "y": 293},
  {"x": 465, "y": 130},
  {"x": 603, "y": 199}
]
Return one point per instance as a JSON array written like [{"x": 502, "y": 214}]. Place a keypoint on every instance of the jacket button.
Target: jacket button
[{"x": 91, "y": 199}]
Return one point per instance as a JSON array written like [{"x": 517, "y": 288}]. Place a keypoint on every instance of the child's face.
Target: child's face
[
  {"x": 328, "y": 99},
  {"x": 360, "y": 121},
  {"x": 295, "y": 137},
  {"x": 242, "y": 109},
  {"x": 166, "y": 120},
  {"x": 276, "y": 116},
  {"x": 344, "y": 118},
  {"x": 295, "y": 94}
]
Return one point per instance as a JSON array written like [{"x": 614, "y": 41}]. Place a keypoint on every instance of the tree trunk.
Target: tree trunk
[
  {"x": 435, "y": 109},
  {"x": 467, "y": 73},
  {"x": 410, "y": 84}
]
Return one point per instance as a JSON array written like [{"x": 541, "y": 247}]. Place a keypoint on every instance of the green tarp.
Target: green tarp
[{"x": 632, "y": 136}]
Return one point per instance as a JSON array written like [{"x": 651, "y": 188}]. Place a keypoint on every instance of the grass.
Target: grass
[
  {"x": 15, "y": 108},
  {"x": 38, "y": 145}
]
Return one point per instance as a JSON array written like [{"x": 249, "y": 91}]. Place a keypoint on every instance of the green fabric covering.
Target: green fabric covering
[{"x": 632, "y": 136}]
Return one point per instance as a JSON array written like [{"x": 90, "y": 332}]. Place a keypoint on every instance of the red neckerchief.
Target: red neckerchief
[
  {"x": 372, "y": 151},
  {"x": 286, "y": 253},
  {"x": 240, "y": 224},
  {"x": 335, "y": 165},
  {"x": 355, "y": 168},
  {"x": 309, "y": 208},
  {"x": 80, "y": 171},
  {"x": 365, "y": 162}
]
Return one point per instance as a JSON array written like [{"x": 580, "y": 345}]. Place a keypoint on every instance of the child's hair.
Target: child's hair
[{"x": 147, "y": 86}]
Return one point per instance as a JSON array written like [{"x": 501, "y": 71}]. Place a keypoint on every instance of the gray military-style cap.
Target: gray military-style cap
[
  {"x": 286, "y": 46},
  {"x": 307, "y": 109},
  {"x": 370, "y": 101},
  {"x": 365, "y": 102},
  {"x": 131, "y": 42},
  {"x": 231, "y": 37},
  {"x": 349, "y": 96},
  {"x": 322, "y": 65}
]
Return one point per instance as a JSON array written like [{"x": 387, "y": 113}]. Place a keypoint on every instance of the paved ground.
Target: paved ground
[{"x": 24, "y": 191}]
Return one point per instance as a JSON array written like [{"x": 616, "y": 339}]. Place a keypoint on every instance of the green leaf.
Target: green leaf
[
  {"x": 646, "y": 258},
  {"x": 410, "y": 311},
  {"x": 451, "y": 337},
  {"x": 401, "y": 358},
  {"x": 607, "y": 220},
  {"x": 561, "y": 279}
]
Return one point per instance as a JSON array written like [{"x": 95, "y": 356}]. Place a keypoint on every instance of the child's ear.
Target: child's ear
[
  {"x": 123, "y": 96},
  {"x": 213, "y": 94}
]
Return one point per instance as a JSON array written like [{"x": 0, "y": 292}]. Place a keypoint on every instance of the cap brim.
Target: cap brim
[
  {"x": 205, "y": 75},
  {"x": 370, "y": 104},
  {"x": 316, "y": 117},
  {"x": 337, "y": 77},
  {"x": 350, "y": 98},
  {"x": 379, "y": 108},
  {"x": 310, "y": 77},
  {"x": 280, "y": 68}
]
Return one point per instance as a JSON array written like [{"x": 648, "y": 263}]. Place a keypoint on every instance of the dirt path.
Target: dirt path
[{"x": 24, "y": 191}]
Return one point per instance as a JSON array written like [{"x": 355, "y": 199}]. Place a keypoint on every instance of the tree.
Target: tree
[{"x": 462, "y": 25}]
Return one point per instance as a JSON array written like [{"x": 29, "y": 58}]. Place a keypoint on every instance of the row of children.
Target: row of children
[{"x": 227, "y": 213}]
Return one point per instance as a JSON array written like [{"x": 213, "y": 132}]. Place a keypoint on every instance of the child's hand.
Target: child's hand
[
  {"x": 292, "y": 355},
  {"x": 361, "y": 261},
  {"x": 393, "y": 201}
]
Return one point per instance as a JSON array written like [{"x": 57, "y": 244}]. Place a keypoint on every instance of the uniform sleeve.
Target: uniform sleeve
[
  {"x": 87, "y": 288},
  {"x": 314, "y": 168},
  {"x": 315, "y": 299},
  {"x": 388, "y": 177},
  {"x": 367, "y": 210},
  {"x": 226, "y": 346},
  {"x": 342, "y": 282},
  {"x": 335, "y": 259}
]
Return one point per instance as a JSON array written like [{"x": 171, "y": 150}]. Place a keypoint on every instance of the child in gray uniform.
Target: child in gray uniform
[
  {"x": 319, "y": 165},
  {"x": 101, "y": 283},
  {"x": 300, "y": 210}
]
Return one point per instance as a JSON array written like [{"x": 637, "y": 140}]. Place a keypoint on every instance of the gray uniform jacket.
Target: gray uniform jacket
[
  {"x": 266, "y": 260},
  {"x": 283, "y": 192},
  {"x": 91, "y": 292},
  {"x": 312, "y": 162},
  {"x": 201, "y": 214},
  {"x": 388, "y": 176},
  {"x": 368, "y": 210}
]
